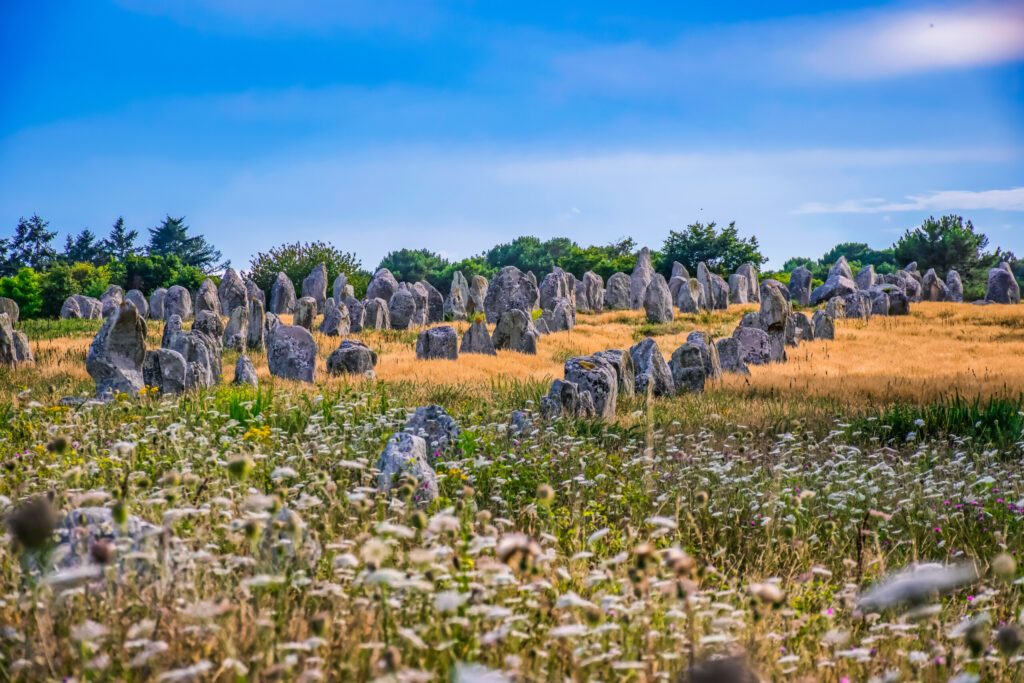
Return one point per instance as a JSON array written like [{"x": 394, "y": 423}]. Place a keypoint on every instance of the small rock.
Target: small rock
[{"x": 437, "y": 343}]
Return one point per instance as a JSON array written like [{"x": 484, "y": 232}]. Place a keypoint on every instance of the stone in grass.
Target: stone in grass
[
  {"x": 245, "y": 372},
  {"x": 117, "y": 352},
  {"x": 708, "y": 354},
  {"x": 405, "y": 458},
  {"x": 352, "y": 357},
  {"x": 616, "y": 293},
  {"x": 477, "y": 340},
  {"x": 82, "y": 528},
  {"x": 658, "y": 300},
  {"x": 755, "y": 345},
  {"x": 597, "y": 377},
  {"x": 730, "y": 356},
  {"x": 622, "y": 363},
  {"x": 515, "y": 331},
  {"x": 236, "y": 332},
  {"x": 565, "y": 399},
  {"x": 652, "y": 372},
  {"x": 437, "y": 343},
  {"x": 165, "y": 370},
  {"x": 824, "y": 325},
  {"x": 687, "y": 367},
  {"x": 435, "y": 426},
  {"x": 291, "y": 353},
  {"x": 305, "y": 313}
]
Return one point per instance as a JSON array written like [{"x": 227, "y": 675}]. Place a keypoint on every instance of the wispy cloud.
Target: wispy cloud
[{"x": 999, "y": 200}]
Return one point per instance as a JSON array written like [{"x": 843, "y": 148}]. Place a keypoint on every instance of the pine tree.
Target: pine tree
[
  {"x": 31, "y": 246},
  {"x": 171, "y": 238},
  {"x": 83, "y": 248},
  {"x": 121, "y": 243}
]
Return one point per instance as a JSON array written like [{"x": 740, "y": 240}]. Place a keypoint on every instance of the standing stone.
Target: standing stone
[
  {"x": 835, "y": 285},
  {"x": 305, "y": 313},
  {"x": 800, "y": 286},
  {"x": 236, "y": 333},
  {"x": 836, "y": 308},
  {"x": 291, "y": 352},
  {"x": 272, "y": 321},
  {"x": 738, "y": 290},
  {"x": 933, "y": 288},
  {"x": 708, "y": 353},
  {"x": 478, "y": 288},
  {"x": 178, "y": 302},
  {"x": 314, "y": 286},
  {"x": 824, "y": 325},
  {"x": 515, "y": 331},
  {"x": 232, "y": 292},
  {"x": 382, "y": 286},
  {"x": 730, "y": 354},
  {"x": 596, "y": 376},
  {"x": 749, "y": 271},
  {"x": 138, "y": 299},
  {"x": 356, "y": 313},
  {"x": 532, "y": 277},
  {"x": 561, "y": 318},
  {"x": 564, "y": 400},
  {"x": 841, "y": 268},
  {"x": 642, "y": 275},
  {"x": 422, "y": 298},
  {"x": 652, "y": 372},
  {"x": 716, "y": 290},
  {"x": 774, "y": 309},
  {"x": 165, "y": 370},
  {"x": 245, "y": 371},
  {"x": 156, "y": 304},
  {"x": 689, "y": 296},
  {"x": 590, "y": 291},
  {"x": 257, "y": 322},
  {"x": 11, "y": 308},
  {"x": 658, "y": 300},
  {"x": 616, "y": 294},
  {"x": 458, "y": 297},
  {"x": 336, "y": 321},
  {"x": 510, "y": 290},
  {"x": 866, "y": 278},
  {"x": 1002, "y": 285},
  {"x": 557, "y": 285},
  {"x": 402, "y": 308},
  {"x": 207, "y": 298},
  {"x": 406, "y": 456},
  {"x": 436, "y": 427},
  {"x": 70, "y": 309},
  {"x": 679, "y": 270},
  {"x": 92, "y": 308},
  {"x": 622, "y": 363},
  {"x": 687, "y": 368},
  {"x": 210, "y": 327},
  {"x": 117, "y": 352},
  {"x": 254, "y": 293},
  {"x": 880, "y": 299},
  {"x": 477, "y": 340},
  {"x": 955, "y": 286},
  {"x": 435, "y": 303},
  {"x": 9, "y": 354},
  {"x": 437, "y": 343},
  {"x": 111, "y": 299},
  {"x": 352, "y": 357},
  {"x": 755, "y": 345},
  {"x": 376, "y": 315},
  {"x": 858, "y": 305},
  {"x": 171, "y": 328},
  {"x": 802, "y": 328},
  {"x": 282, "y": 295},
  {"x": 339, "y": 288}
]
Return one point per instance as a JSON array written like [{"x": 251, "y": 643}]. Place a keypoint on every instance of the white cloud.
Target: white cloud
[{"x": 998, "y": 200}]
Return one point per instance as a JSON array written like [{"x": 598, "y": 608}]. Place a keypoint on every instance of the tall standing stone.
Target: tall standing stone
[
  {"x": 477, "y": 340},
  {"x": 435, "y": 303},
  {"x": 955, "y": 286},
  {"x": 708, "y": 353},
  {"x": 282, "y": 295},
  {"x": 458, "y": 297},
  {"x": 207, "y": 298},
  {"x": 1002, "y": 285},
  {"x": 315, "y": 286},
  {"x": 11, "y": 308},
  {"x": 236, "y": 332},
  {"x": 642, "y": 275},
  {"x": 339, "y": 288},
  {"x": 356, "y": 312},
  {"x": 658, "y": 300},
  {"x": 138, "y": 299},
  {"x": 749, "y": 271},
  {"x": 590, "y": 293},
  {"x": 866, "y": 278},
  {"x": 376, "y": 315},
  {"x": 422, "y": 297},
  {"x": 616, "y": 293},
  {"x": 253, "y": 292},
  {"x": 688, "y": 295},
  {"x": 515, "y": 331},
  {"x": 738, "y": 290},
  {"x": 402, "y": 308},
  {"x": 291, "y": 353},
  {"x": 156, "y": 304},
  {"x": 257, "y": 322},
  {"x": 511, "y": 289},
  {"x": 800, "y": 286},
  {"x": 730, "y": 354},
  {"x": 336, "y": 321},
  {"x": 933, "y": 288},
  {"x": 652, "y": 372},
  {"x": 178, "y": 302},
  {"x": 305, "y": 313},
  {"x": 557, "y": 285},
  {"x": 688, "y": 374},
  {"x": 382, "y": 286},
  {"x": 232, "y": 292},
  {"x": 111, "y": 299},
  {"x": 117, "y": 352},
  {"x": 478, "y": 287}
]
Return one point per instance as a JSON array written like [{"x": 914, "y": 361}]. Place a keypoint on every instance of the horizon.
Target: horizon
[{"x": 454, "y": 127}]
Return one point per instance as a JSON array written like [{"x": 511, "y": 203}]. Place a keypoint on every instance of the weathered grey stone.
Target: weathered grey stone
[
  {"x": 111, "y": 299},
  {"x": 590, "y": 293},
  {"x": 254, "y": 293},
  {"x": 749, "y": 271},
  {"x": 376, "y": 315},
  {"x": 138, "y": 299},
  {"x": 561, "y": 318},
  {"x": 716, "y": 290},
  {"x": 799, "y": 326},
  {"x": 564, "y": 400},
  {"x": 866, "y": 278},
  {"x": 933, "y": 288},
  {"x": 955, "y": 286},
  {"x": 436, "y": 427},
  {"x": 257, "y": 325},
  {"x": 282, "y": 295},
  {"x": 117, "y": 352},
  {"x": 515, "y": 331},
  {"x": 305, "y": 313},
  {"x": 402, "y": 308},
  {"x": 597, "y": 377},
  {"x": 836, "y": 308},
  {"x": 435, "y": 303},
  {"x": 858, "y": 305},
  {"x": 314, "y": 286},
  {"x": 658, "y": 300},
  {"x": 835, "y": 285},
  {"x": 171, "y": 328},
  {"x": 643, "y": 272},
  {"x": 1002, "y": 286},
  {"x": 156, "y": 304},
  {"x": 824, "y": 325},
  {"x": 755, "y": 345},
  {"x": 11, "y": 308},
  {"x": 777, "y": 343},
  {"x": 899, "y": 303},
  {"x": 271, "y": 323},
  {"x": 477, "y": 340},
  {"x": 178, "y": 302},
  {"x": 207, "y": 298},
  {"x": 800, "y": 286},
  {"x": 652, "y": 372},
  {"x": 419, "y": 292},
  {"x": 458, "y": 297},
  {"x": 879, "y": 299},
  {"x": 236, "y": 332},
  {"x": 510, "y": 290},
  {"x": 352, "y": 357},
  {"x": 841, "y": 268},
  {"x": 245, "y": 371},
  {"x": 541, "y": 326},
  {"x": 752, "y": 319},
  {"x": 210, "y": 323},
  {"x": 437, "y": 343},
  {"x": 708, "y": 353},
  {"x": 616, "y": 293},
  {"x": 557, "y": 285},
  {"x": 687, "y": 367},
  {"x": 730, "y": 356},
  {"x": 679, "y": 270},
  {"x": 532, "y": 277},
  {"x": 70, "y": 309},
  {"x": 622, "y": 363},
  {"x": 774, "y": 309},
  {"x": 291, "y": 353},
  {"x": 357, "y": 312},
  {"x": 8, "y": 349},
  {"x": 478, "y": 288},
  {"x": 738, "y": 289},
  {"x": 165, "y": 370},
  {"x": 405, "y": 456},
  {"x": 382, "y": 286},
  {"x": 232, "y": 292},
  {"x": 340, "y": 288},
  {"x": 202, "y": 349},
  {"x": 689, "y": 296},
  {"x": 336, "y": 321}
]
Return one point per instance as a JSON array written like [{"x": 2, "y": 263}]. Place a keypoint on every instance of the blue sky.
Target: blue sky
[{"x": 377, "y": 124}]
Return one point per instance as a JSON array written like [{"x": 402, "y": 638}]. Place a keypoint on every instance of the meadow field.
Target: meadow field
[{"x": 767, "y": 520}]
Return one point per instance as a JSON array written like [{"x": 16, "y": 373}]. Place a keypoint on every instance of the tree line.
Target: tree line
[{"x": 39, "y": 277}]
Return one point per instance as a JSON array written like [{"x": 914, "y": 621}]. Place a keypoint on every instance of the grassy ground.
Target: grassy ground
[{"x": 747, "y": 520}]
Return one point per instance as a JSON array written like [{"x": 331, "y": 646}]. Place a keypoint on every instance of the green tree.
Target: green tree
[
  {"x": 297, "y": 259},
  {"x": 31, "y": 246},
  {"x": 949, "y": 243},
  {"x": 474, "y": 265},
  {"x": 121, "y": 243},
  {"x": 146, "y": 273},
  {"x": 84, "y": 248},
  {"x": 413, "y": 265},
  {"x": 24, "y": 287},
  {"x": 723, "y": 251},
  {"x": 171, "y": 238}
]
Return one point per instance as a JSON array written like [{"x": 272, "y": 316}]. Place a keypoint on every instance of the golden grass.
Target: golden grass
[{"x": 940, "y": 350}]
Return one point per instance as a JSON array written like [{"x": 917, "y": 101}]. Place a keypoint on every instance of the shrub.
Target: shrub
[
  {"x": 24, "y": 288},
  {"x": 297, "y": 259}
]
